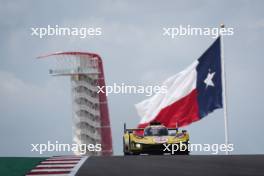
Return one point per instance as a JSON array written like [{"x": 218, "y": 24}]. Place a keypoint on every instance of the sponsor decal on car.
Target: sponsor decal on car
[{"x": 160, "y": 139}]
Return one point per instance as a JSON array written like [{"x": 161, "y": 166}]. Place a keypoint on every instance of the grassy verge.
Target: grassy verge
[{"x": 17, "y": 166}]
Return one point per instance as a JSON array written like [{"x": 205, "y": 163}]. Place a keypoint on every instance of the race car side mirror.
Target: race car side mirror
[
  {"x": 124, "y": 127},
  {"x": 176, "y": 131}
]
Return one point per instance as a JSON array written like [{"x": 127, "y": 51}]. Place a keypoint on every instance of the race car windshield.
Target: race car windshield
[{"x": 156, "y": 132}]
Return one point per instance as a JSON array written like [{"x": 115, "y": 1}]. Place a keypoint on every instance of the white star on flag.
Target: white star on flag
[{"x": 209, "y": 79}]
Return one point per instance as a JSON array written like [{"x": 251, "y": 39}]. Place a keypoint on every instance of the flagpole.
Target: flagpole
[{"x": 224, "y": 89}]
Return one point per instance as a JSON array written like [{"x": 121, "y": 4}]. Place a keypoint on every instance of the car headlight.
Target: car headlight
[{"x": 138, "y": 145}]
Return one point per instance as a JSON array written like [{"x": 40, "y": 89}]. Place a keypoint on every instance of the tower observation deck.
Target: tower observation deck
[{"x": 91, "y": 124}]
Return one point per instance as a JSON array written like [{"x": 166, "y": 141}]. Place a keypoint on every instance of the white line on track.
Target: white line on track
[
  {"x": 52, "y": 175},
  {"x": 48, "y": 170},
  {"x": 57, "y": 165},
  {"x": 56, "y": 162},
  {"x": 78, "y": 166},
  {"x": 64, "y": 165}
]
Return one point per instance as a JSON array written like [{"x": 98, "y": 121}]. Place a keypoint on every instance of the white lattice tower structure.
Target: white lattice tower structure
[{"x": 91, "y": 123}]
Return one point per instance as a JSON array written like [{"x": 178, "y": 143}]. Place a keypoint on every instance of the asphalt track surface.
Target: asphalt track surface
[{"x": 199, "y": 165}]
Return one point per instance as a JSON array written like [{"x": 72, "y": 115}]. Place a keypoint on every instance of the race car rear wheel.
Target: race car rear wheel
[{"x": 125, "y": 148}]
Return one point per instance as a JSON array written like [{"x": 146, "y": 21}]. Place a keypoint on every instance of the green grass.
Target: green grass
[{"x": 17, "y": 166}]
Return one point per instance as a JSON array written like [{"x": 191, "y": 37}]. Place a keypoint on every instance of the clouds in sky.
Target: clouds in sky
[{"x": 35, "y": 107}]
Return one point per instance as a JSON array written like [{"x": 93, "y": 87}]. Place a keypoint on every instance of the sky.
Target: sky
[{"x": 36, "y": 107}]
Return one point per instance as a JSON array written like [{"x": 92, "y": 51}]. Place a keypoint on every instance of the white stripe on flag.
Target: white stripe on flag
[{"x": 178, "y": 86}]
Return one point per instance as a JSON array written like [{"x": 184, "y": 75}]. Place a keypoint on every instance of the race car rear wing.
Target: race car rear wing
[
  {"x": 130, "y": 130},
  {"x": 142, "y": 129},
  {"x": 173, "y": 129}
]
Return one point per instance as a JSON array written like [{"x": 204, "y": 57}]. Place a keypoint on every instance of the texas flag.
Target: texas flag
[{"x": 191, "y": 94}]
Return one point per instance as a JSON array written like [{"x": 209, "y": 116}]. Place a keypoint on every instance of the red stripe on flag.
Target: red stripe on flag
[{"x": 181, "y": 112}]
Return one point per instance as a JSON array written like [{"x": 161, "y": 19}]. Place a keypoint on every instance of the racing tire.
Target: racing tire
[{"x": 124, "y": 149}]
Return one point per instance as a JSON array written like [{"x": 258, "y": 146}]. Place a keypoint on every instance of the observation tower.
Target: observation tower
[{"x": 91, "y": 124}]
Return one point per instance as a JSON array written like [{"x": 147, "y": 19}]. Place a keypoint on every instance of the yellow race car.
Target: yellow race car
[{"x": 155, "y": 139}]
